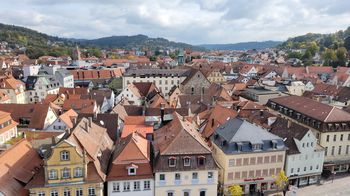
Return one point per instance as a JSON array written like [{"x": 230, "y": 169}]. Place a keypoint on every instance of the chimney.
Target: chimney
[
  {"x": 53, "y": 140},
  {"x": 86, "y": 126},
  {"x": 289, "y": 123},
  {"x": 162, "y": 105},
  {"x": 143, "y": 110},
  {"x": 90, "y": 121}
]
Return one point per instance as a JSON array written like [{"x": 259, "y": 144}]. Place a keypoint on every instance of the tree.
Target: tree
[
  {"x": 329, "y": 57},
  {"x": 341, "y": 56},
  {"x": 347, "y": 43},
  {"x": 281, "y": 180},
  {"x": 235, "y": 190}
]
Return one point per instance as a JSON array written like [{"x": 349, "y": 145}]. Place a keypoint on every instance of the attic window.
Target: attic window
[
  {"x": 330, "y": 126},
  {"x": 131, "y": 171},
  {"x": 256, "y": 146},
  {"x": 187, "y": 161},
  {"x": 239, "y": 146},
  {"x": 201, "y": 160},
  {"x": 172, "y": 162},
  {"x": 274, "y": 144}
]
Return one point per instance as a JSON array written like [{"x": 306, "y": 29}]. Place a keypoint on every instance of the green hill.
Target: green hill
[{"x": 38, "y": 44}]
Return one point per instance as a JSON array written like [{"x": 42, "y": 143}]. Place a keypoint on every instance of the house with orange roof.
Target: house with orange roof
[
  {"x": 139, "y": 92},
  {"x": 76, "y": 165},
  {"x": 18, "y": 165},
  {"x": 130, "y": 172},
  {"x": 183, "y": 162},
  {"x": 15, "y": 89},
  {"x": 137, "y": 124},
  {"x": 31, "y": 116},
  {"x": 8, "y": 127},
  {"x": 64, "y": 121}
]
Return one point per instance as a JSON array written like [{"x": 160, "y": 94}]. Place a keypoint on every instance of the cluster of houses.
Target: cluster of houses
[{"x": 169, "y": 129}]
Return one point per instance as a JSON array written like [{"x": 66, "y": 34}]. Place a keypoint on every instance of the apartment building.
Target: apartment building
[{"x": 248, "y": 155}]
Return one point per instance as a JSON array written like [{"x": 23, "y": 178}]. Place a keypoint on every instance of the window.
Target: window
[
  {"x": 333, "y": 147},
  {"x": 161, "y": 176},
  {"x": 172, "y": 162},
  {"x": 291, "y": 170},
  {"x": 298, "y": 170},
  {"x": 126, "y": 186},
  {"x": 116, "y": 187},
  {"x": 91, "y": 191},
  {"x": 349, "y": 136},
  {"x": 64, "y": 156},
  {"x": 53, "y": 174},
  {"x": 327, "y": 140},
  {"x": 131, "y": 171},
  {"x": 194, "y": 176},
  {"x": 304, "y": 168},
  {"x": 66, "y": 192},
  {"x": 187, "y": 161},
  {"x": 41, "y": 193},
  {"x": 201, "y": 161},
  {"x": 78, "y": 172},
  {"x": 54, "y": 193},
  {"x": 341, "y": 137},
  {"x": 347, "y": 149},
  {"x": 231, "y": 162},
  {"x": 137, "y": 186},
  {"x": 66, "y": 173},
  {"x": 177, "y": 176},
  {"x": 339, "y": 150},
  {"x": 311, "y": 168},
  {"x": 186, "y": 193},
  {"x": 202, "y": 193},
  {"x": 210, "y": 175},
  {"x": 325, "y": 151},
  {"x": 334, "y": 138},
  {"x": 147, "y": 185},
  {"x": 79, "y": 192},
  {"x": 170, "y": 194}
]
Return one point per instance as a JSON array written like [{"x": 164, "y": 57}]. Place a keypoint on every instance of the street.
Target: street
[{"x": 340, "y": 186}]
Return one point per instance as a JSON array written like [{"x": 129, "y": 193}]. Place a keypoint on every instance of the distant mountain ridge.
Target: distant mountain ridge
[
  {"x": 242, "y": 45},
  {"x": 135, "y": 41}
]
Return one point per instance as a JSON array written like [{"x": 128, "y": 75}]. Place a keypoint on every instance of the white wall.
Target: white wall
[{"x": 132, "y": 192}]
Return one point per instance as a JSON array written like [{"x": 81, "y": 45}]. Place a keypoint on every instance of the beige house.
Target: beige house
[{"x": 247, "y": 155}]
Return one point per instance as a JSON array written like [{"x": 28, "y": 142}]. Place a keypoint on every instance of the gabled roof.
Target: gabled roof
[
  {"x": 68, "y": 118},
  {"x": 95, "y": 141},
  {"x": 179, "y": 137},
  {"x": 132, "y": 151},
  {"x": 281, "y": 128},
  {"x": 36, "y": 113},
  {"x": 218, "y": 116},
  {"x": 18, "y": 165}
]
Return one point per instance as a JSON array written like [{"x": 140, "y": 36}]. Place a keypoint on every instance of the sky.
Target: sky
[{"x": 189, "y": 21}]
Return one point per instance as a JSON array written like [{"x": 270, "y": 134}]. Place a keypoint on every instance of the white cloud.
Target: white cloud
[{"x": 191, "y": 21}]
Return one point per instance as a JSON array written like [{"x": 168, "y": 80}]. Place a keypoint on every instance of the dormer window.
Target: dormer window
[
  {"x": 256, "y": 146},
  {"x": 172, "y": 162},
  {"x": 239, "y": 146},
  {"x": 187, "y": 161},
  {"x": 64, "y": 155},
  {"x": 131, "y": 171},
  {"x": 201, "y": 160},
  {"x": 274, "y": 144}
]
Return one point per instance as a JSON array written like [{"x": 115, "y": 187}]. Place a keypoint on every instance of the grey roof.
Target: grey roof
[{"x": 237, "y": 132}]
